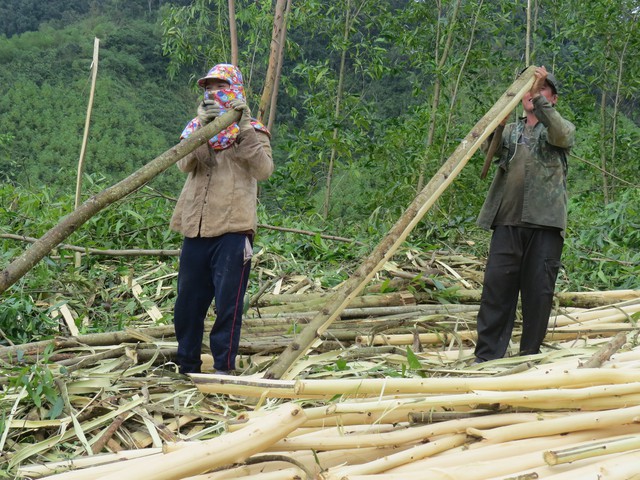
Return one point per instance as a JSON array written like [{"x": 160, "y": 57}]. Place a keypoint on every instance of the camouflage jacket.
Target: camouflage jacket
[{"x": 545, "y": 182}]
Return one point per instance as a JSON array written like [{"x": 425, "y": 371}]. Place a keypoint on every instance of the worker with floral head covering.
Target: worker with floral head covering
[{"x": 216, "y": 214}]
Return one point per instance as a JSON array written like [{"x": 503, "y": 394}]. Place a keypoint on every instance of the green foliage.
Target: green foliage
[
  {"x": 603, "y": 252},
  {"x": 137, "y": 112},
  {"x": 38, "y": 383}
]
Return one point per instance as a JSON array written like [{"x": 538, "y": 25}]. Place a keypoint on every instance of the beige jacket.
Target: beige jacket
[{"x": 219, "y": 195}]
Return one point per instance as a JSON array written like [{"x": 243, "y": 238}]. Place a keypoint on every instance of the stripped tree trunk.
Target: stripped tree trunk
[
  {"x": 281, "y": 43},
  {"x": 336, "y": 113},
  {"x": 438, "y": 86}
]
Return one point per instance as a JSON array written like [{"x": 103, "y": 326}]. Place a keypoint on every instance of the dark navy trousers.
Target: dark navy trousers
[
  {"x": 211, "y": 267},
  {"x": 521, "y": 261}
]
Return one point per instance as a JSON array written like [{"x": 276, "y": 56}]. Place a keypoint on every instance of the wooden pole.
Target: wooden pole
[
  {"x": 69, "y": 224},
  {"x": 233, "y": 32},
  {"x": 267, "y": 92},
  {"x": 281, "y": 45},
  {"x": 403, "y": 227},
  {"x": 200, "y": 457},
  {"x": 83, "y": 148}
]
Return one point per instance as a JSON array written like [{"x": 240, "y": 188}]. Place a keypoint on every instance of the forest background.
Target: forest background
[{"x": 373, "y": 98}]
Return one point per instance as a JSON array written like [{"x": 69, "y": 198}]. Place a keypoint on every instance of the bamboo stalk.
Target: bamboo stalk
[
  {"x": 375, "y": 386},
  {"x": 511, "y": 398},
  {"x": 620, "y": 467},
  {"x": 41, "y": 470},
  {"x": 401, "y": 436},
  {"x": 424, "y": 338},
  {"x": 605, "y": 352},
  {"x": 476, "y": 454},
  {"x": 571, "y": 299},
  {"x": 401, "y": 458},
  {"x": 313, "y": 461},
  {"x": 363, "y": 301},
  {"x": 594, "y": 314}
]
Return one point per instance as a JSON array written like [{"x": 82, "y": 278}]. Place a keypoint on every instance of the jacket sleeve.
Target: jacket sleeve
[
  {"x": 254, "y": 153},
  {"x": 189, "y": 162},
  {"x": 560, "y": 132}
]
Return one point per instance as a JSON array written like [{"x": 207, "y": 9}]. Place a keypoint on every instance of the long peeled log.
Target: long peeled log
[
  {"x": 227, "y": 449},
  {"x": 403, "y": 227},
  {"x": 70, "y": 223}
]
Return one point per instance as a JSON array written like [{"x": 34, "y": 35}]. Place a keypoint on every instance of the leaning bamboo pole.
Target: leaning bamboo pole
[
  {"x": 69, "y": 224},
  {"x": 403, "y": 227}
]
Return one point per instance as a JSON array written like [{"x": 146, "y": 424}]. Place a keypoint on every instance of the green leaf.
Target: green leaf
[{"x": 413, "y": 360}]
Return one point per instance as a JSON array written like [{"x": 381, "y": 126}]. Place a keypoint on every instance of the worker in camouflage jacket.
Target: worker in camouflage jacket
[{"x": 526, "y": 208}]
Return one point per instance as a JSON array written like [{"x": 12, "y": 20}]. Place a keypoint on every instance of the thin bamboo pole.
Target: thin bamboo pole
[
  {"x": 475, "y": 454},
  {"x": 620, "y": 467},
  {"x": 233, "y": 32},
  {"x": 40, "y": 470},
  {"x": 403, "y": 227},
  {"x": 251, "y": 386},
  {"x": 402, "y": 435},
  {"x": 593, "y": 449},
  {"x": 401, "y": 458}
]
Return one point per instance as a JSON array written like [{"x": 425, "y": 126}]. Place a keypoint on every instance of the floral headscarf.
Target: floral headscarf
[{"x": 223, "y": 97}]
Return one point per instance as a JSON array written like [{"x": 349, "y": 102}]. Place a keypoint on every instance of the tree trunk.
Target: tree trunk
[
  {"x": 405, "y": 224},
  {"x": 436, "y": 89},
  {"x": 233, "y": 32},
  {"x": 69, "y": 224},
  {"x": 336, "y": 113},
  {"x": 267, "y": 92}
]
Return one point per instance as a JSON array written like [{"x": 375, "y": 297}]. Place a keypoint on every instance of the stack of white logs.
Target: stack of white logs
[
  {"x": 556, "y": 421},
  {"x": 572, "y": 418}
]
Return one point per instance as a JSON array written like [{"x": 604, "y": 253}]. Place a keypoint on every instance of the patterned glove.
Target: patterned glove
[{"x": 208, "y": 110}]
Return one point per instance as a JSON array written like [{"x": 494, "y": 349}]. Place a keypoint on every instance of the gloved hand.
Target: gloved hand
[
  {"x": 208, "y": 110},
  {"x": 245, "y": 120}
]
